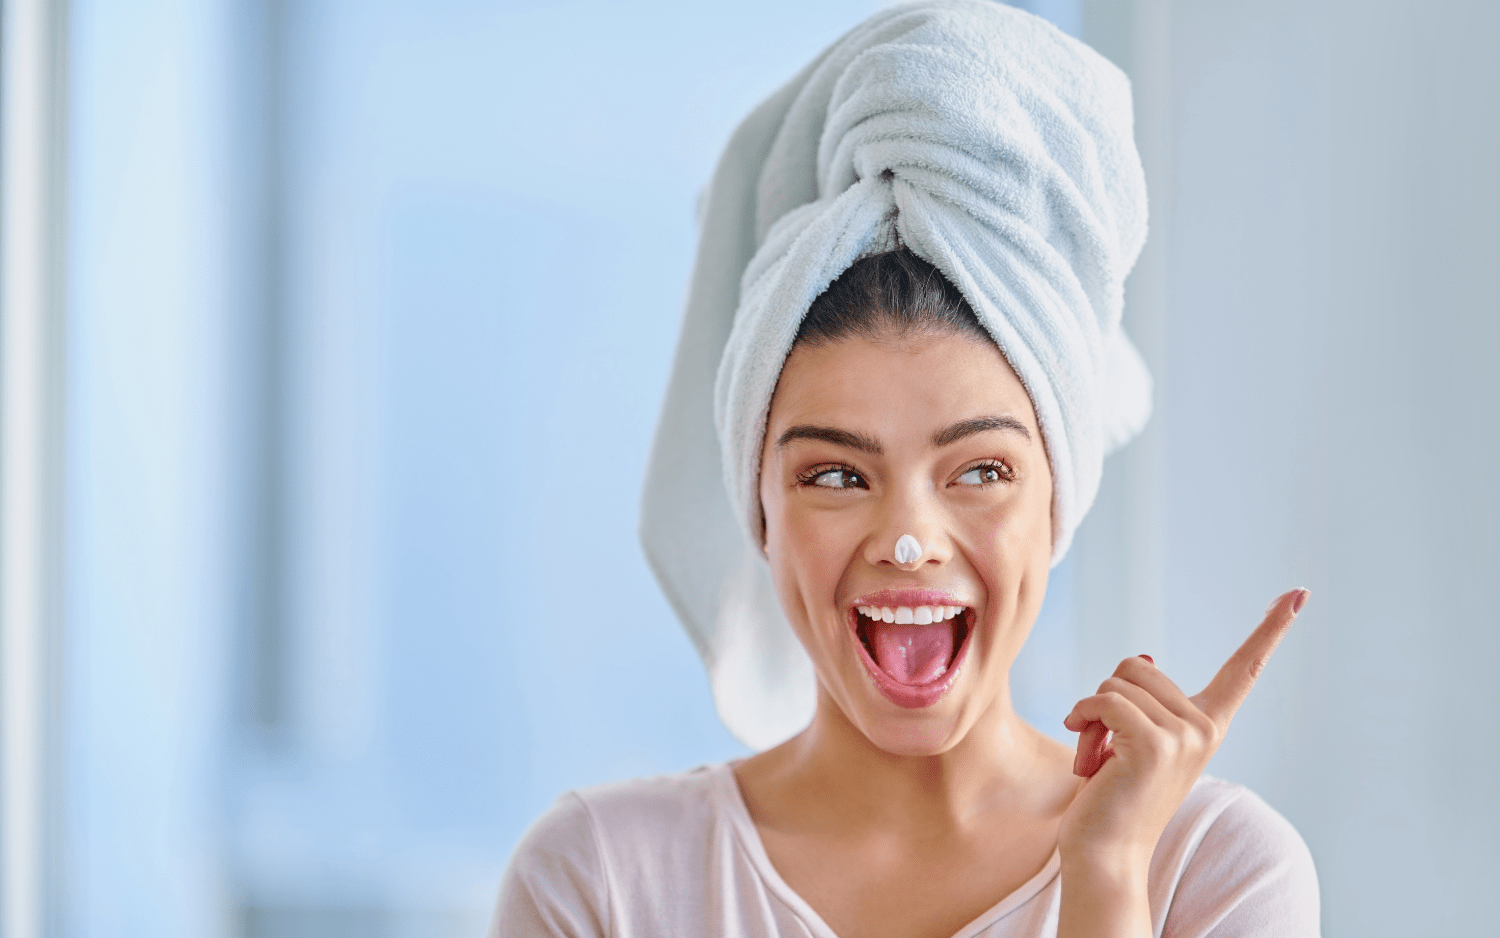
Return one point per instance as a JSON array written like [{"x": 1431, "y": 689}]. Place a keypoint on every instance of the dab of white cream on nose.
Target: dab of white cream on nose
[{"x": 908, "y": 549}]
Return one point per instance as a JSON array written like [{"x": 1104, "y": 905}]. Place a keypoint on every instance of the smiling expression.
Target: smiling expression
[{"x": 933, "y": 436}]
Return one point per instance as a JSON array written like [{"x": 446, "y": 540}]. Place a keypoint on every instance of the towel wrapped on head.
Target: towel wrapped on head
[{"x": 991, "y": 145}]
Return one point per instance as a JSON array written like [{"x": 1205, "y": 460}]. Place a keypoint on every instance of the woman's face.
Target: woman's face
[{"x": 932, "y": 436}]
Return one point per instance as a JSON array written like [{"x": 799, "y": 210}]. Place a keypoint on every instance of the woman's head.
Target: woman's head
[
  {"x": 896, "y": 414},
  {"x": 993, "y": 146}
]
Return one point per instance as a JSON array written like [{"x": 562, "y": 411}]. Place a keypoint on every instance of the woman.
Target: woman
[{"x": 906, "y": 314}]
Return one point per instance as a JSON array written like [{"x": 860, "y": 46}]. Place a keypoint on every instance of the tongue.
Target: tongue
[{"x": 912, "y": 654}]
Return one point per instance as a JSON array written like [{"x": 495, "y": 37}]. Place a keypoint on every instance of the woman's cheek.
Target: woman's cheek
[
  {"x": 817, "y": 541},
  {"x": 811, "y": 558},
  {"x": 1022, "y": 525}
]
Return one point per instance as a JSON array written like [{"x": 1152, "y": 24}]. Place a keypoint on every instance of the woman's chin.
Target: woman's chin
[{"x": 911, "y": 735}]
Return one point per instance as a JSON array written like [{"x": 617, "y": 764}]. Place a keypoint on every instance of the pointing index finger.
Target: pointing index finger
[{"x": 1224, "y": 694}]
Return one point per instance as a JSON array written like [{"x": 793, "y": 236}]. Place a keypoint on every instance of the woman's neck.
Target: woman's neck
[{"x": 833, "y": 775}]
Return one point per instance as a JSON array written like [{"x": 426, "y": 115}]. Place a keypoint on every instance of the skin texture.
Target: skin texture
[{"x": 893, "y": 821}]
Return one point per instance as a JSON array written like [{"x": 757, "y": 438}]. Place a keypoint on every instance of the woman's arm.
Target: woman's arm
[{"x": 1142, "y": 745}]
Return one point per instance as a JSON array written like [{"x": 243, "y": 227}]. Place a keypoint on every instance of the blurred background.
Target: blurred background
[{"x": 333, "y": 337}]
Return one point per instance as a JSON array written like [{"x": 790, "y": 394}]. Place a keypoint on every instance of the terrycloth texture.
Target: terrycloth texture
[{"x": 993, "y": 146}]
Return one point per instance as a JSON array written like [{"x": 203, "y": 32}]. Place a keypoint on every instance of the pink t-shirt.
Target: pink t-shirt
[{"x": 678, "y": 855}]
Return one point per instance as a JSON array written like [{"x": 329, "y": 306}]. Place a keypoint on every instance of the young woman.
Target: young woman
[{"x": 906, "y": 316}]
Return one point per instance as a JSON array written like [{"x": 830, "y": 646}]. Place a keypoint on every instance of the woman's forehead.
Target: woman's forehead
[{"x": 898, "y": 393}]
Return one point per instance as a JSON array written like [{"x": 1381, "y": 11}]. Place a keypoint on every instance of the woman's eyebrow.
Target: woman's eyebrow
[
  {"x": 955, "y": 432},
  {"x": 856, "y": 441}
]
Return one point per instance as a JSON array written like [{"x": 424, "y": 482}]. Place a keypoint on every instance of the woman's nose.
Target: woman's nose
[{"x": 908, "y": 538}]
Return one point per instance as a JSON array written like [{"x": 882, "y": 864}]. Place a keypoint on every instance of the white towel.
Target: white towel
[{"x": 992, "y": 145}]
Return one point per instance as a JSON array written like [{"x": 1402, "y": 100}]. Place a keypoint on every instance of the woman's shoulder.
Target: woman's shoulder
[
  {"x": 639, "y": 811},
  {"x": 644, "y": 814},
  {"x": 598, "y": 841},
  {"x": 1220, "y": 816},
  {"x": 1229, "y": 860}
]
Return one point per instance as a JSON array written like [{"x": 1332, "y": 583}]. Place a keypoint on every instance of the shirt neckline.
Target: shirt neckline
[{"x": 732, "y": 802}]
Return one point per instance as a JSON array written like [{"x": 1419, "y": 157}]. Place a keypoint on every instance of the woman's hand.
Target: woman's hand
[{"x": 1142, "y": 745}]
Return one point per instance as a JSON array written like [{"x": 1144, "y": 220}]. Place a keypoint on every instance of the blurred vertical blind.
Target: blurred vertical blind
[
  {"x": 33, "y": 87},
  {"x": 369, "y": 307}
]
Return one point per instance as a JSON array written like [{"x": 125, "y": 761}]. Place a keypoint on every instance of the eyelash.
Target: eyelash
[
  {"x": 809, "y": 478},
  {"x": 1007, "y": 473}
]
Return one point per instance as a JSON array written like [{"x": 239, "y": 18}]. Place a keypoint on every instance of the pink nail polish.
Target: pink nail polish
[
  {"x": 1148, "y": 658},
  {"x": 1301, "y": 600}
]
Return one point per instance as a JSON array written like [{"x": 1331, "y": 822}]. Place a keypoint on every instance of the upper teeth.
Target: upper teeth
[{"x": 907, "y": 615}]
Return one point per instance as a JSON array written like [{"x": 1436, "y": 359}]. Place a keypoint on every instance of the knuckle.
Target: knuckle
[
  {"x": 1209, "y": 734},
  {"x": 1192, "y": 736},
  {"x": 1203, "y": 743}
]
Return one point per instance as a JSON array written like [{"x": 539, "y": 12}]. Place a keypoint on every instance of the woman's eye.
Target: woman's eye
[
  {"x": 987, "y": 474},
  {"x": 837, "y": 479}
]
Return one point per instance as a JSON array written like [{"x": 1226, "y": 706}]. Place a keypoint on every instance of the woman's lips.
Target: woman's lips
[
  {"x": 909, "y": 597},
  {"x": 913, "y": 662}
]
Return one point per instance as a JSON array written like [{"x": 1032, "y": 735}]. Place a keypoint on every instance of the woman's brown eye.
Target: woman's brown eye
[
  {"x": 838, "y": 479},
  {"x": 984, "y": 475}
]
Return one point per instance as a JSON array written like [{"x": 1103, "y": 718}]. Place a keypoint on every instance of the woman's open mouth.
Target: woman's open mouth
[{"x": 913, "y": 652}]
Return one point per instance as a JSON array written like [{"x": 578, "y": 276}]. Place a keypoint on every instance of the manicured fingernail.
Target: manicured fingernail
[
  {"x": 1148, "y": 658},
  {"x": 1301, "y": 600}
]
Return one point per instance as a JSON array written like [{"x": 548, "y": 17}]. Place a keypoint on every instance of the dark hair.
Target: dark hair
[{"x": 892, "y": 294}]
